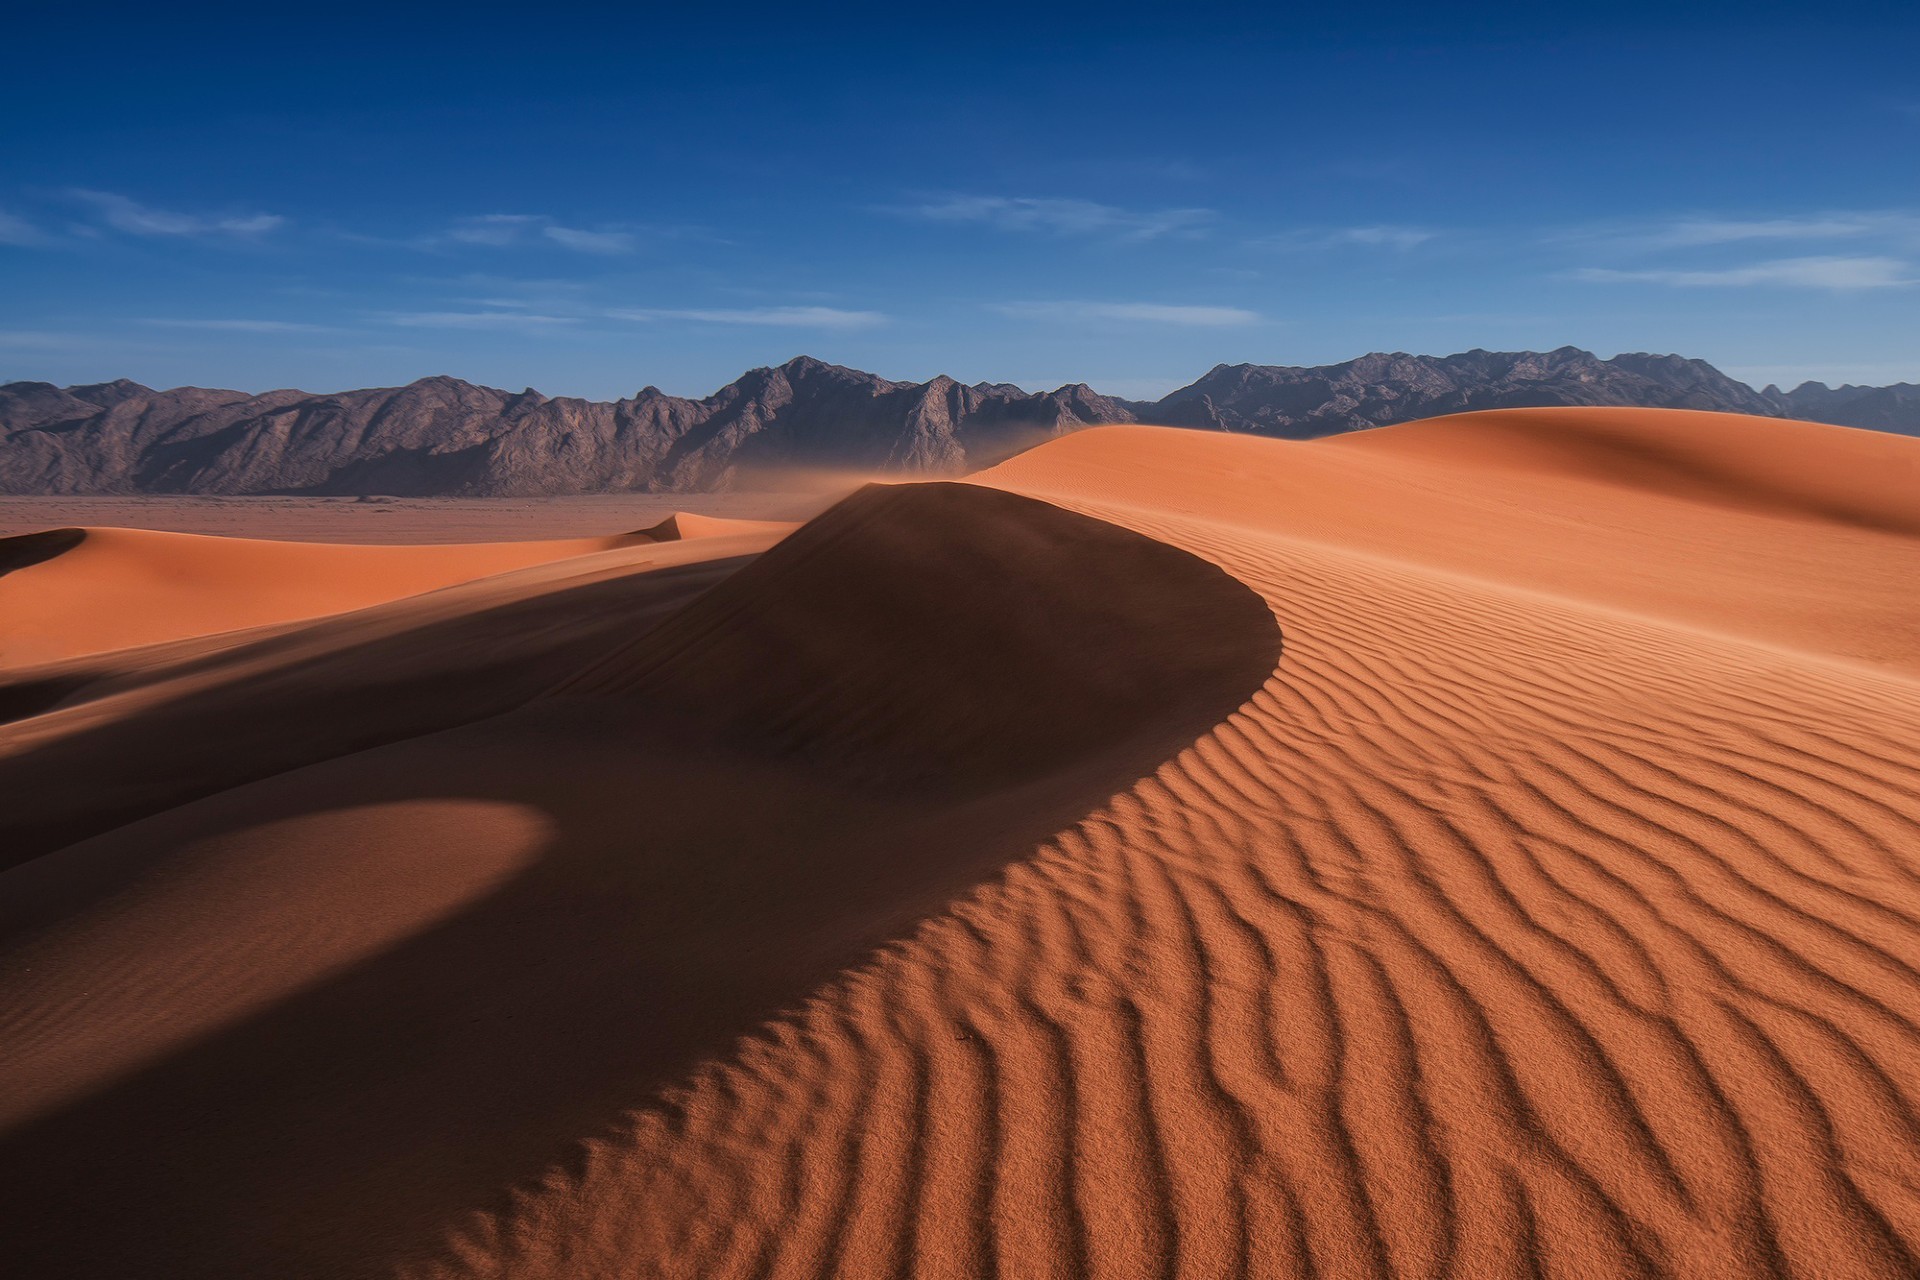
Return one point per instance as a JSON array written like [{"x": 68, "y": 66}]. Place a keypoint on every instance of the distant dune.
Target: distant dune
[
  {"x": 114, "y": 588},
  {"x": 1484, "y": 847}
]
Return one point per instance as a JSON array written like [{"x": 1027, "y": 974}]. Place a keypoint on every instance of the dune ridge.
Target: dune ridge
[
  {"x": 1501, "y": 933},
  {"x": 575, "y": 901},
  {"x": 972, "y": 886},
  {"x": 106, "y": 589}
]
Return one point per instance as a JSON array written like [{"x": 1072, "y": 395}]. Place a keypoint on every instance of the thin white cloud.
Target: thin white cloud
[
  {"x": 495, "y": 230},
  {"x": 1130, "y": 313},
  {"x": 1834, "y": 273},
  {"x": 590, "y": 241},
  {"x": 1868, "y": 229},
  {"x": 134, "y": 218},
  {"x": 484, "y": 292},
  {"x": 1693, "y": 232},
  {"x": 240, "y": 326},
  {"x": 780, "y": 317},
  {"x": 1064, "y": 217},
  {"x": 1372, "y": 236},
  {"x": 17, "y": 231},
  {"x": 1386, "y": 237},
  {"x": 502, "y": 230},
  {"x": 478, "y": 320}
]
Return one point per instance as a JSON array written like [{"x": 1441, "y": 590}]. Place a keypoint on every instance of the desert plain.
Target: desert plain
[{"x": 1482, "y": 847}]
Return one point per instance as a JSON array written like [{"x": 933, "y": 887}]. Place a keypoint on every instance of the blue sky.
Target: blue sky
[{"x": 588, "y": 201}]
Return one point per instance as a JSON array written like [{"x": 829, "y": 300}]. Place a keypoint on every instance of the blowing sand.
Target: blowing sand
[{"x": 1484, "y": 847}]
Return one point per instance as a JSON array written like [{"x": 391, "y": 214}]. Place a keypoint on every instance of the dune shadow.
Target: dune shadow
[
  {"x": 24, "y": 550},
  {"x": 910, "y": 693},
  {"x": 374, "y": 683}
]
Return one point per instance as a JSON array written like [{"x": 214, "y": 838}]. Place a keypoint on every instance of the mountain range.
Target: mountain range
[{"x": 444, "y": 437}]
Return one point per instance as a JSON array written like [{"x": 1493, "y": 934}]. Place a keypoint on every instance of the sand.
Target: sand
[
  {"x": 1484, "y": 847},
  {"x": 77, "y": 591}
]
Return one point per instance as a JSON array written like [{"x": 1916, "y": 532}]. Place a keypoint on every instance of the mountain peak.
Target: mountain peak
[{"x": 442, "y": 435}]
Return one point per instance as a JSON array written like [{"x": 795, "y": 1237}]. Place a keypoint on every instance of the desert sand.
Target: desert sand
[{"x": 1484, "y": 847}]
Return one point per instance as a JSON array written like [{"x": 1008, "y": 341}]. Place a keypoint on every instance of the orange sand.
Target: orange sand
[
  {"x": 124, "y": 587},
  {"x": 1485, "y": 847}
]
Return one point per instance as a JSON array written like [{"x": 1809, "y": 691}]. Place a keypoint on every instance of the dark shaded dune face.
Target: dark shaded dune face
[
  {"x": 271, "y": 707},
  {"x": 26, "y": 549},
  {"x": 667, "y": 530},
  {"x": 948, "y": 637},
  {"x": 29, "y": 696},
  {"x": 733, "y": 809}
]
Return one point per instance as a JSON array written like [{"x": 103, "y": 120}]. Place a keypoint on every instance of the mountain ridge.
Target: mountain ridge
[{"x": 442, "y": 436}]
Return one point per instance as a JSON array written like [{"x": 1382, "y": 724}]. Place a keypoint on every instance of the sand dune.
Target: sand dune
[
  {"x": 1486, "y": 847},
  {"x": 682, "y": 525},
  {"x": 115, "y": 588}
]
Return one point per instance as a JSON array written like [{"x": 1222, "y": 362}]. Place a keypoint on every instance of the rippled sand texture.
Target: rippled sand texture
[
  {"x": 1552, "y": 908},
  {"x": 1502, "y": 933}
]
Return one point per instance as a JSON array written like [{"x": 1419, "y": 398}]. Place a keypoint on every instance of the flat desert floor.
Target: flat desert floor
[
  {"x": 1487, "y": 847},
  {"x": 410, "y": 521}
]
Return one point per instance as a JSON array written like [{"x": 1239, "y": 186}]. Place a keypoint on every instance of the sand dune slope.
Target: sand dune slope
[
  {"x": 70, "y": 592},
  {"x": 971, "y": 888},
  {"x": 134, "y": 732},
  {"x": 353, "y": 1001},
  {"x": 1514, "y": 928}
]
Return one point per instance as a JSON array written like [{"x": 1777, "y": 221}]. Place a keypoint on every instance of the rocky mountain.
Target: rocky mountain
[
  {"x": 1895, "y": 408},
  {"x": 1380, "y": 389},
  {"x": 442, "y": 436}
]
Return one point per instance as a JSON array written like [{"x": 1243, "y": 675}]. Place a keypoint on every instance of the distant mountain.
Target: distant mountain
[
  {"x": 1380, "y": 389},
  {"x": 1895, "y": 408},
  {"x": 442, "y": 436},
  {"x": 445, "y": 436}
]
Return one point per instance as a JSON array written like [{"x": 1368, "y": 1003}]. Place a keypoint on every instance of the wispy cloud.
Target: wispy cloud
[
  {"x": 1064, "y": 217},
  {"x": 1834, "y": 273},
  {"x": 779, "y": 317},
  {"x": 480, "y": 291},
  {"x": 1832, "y": 226},
  {"x": 509, "y": 320},
  {"x": 17, "y": 231},
  {"x": 501, "y": 230},
  {"x": 495, "y": 230},
  {"x": 1877, "y": 226},
  {"x": 1383, "y": 236},
  {"x": 240, "y": 326},
  {"x": 124, "y": 214},
  {"x": 1371, "y": 236},
  {"x": 1130, "y": 312},
  {"x": 590, "y": 241}
]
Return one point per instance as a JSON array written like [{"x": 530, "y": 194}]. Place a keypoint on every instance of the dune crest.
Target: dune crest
[
  {"x": 689, "y": 524},
  {"x": 116, "y": 588},
  {"x": 1505, "y": 932},
  {"x": 971, "y": 886},
  {"x": 741, "y": 799},
  {"x": 1769, "y": 466}
]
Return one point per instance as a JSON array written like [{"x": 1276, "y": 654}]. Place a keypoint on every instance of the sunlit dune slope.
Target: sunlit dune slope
[
  {"x": 487, "y": 944},
  {"x": 683, "y": 525},
  {"x": 978, "y": 886},
  {"x": 71, "y": 592},
  {"x": 1554, "y": 909},
  {"x": 1795, "y": 534},
  {"x": 125, "y": 734}
]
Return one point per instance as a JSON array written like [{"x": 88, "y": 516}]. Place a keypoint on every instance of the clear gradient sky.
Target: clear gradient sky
[{"x": 589, "y": 201}]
